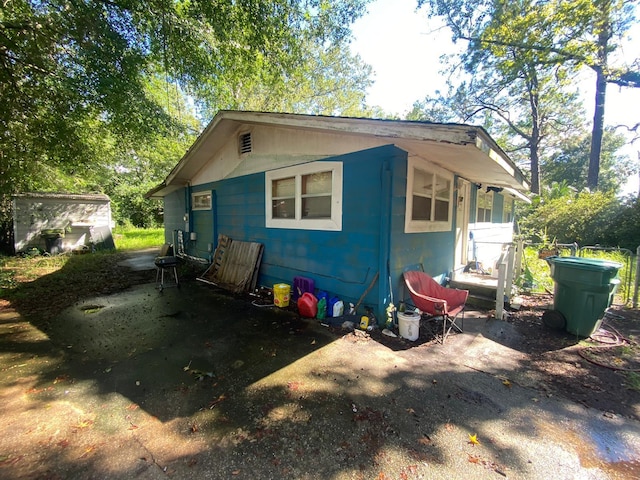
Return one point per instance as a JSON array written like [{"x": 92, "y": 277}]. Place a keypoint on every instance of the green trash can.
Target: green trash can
[{"x": 583, "y": 290}]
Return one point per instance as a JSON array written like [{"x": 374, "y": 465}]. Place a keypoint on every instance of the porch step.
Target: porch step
[
  {"x": 488, "y": 291},
  {"x": 482, "y": 302}
]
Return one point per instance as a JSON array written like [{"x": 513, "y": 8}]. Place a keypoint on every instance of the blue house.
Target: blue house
[{"x": 343, "y": 200}]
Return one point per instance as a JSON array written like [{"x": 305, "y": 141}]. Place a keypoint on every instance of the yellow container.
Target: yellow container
[
  {"x": 281, "y": 293},
  {"x": 364, "y": 322}
]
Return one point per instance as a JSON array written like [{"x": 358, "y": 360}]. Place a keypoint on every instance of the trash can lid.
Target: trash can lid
[{"x": 592, "y": 264}]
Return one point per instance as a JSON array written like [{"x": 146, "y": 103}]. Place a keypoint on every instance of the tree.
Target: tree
[
  {"x": 570, "y": 163},
  {"x": 572, "y": 34},
  {"x": 75, "y": 76},
  {"x": 327, "y": 80},
  {"x": 526, "y": 108}
]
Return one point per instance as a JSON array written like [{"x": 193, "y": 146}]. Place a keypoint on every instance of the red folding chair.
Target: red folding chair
[{"x": 434, "y": 300}]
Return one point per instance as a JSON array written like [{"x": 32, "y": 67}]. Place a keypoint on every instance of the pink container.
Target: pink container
[{"x": 308, "y": 305}]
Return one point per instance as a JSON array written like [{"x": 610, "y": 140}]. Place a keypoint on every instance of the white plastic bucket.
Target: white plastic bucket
[{"x": 409, "y": 325}]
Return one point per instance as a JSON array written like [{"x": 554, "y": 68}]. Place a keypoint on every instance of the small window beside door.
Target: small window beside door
[{"x": 201, "y": 201}]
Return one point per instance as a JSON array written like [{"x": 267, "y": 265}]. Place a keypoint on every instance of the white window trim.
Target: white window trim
[
  {"x": 423, "y": 226},
  {"x": 200, "y": 194},
  {"x": 334, "y": 223}
]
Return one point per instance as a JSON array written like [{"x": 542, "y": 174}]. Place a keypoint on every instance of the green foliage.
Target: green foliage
[
  {"x": 633, "y": 380},
  {"x": 625, "y": 221},
  {"x": 583, "y": 218},
  {"x": 569, "y": 162},
  {"x": 132, "y": 238},
  {"x": 536, "y": 277},
  {"x": 521, "y": 59},
  {"x": 326, "y": 80},
  {"x": 598, "y": 218},
  {"x": 99, "y": 96}
]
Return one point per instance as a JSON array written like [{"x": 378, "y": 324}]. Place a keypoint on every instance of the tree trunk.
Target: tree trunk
[
  {"x": 533, "y": 85},
  {"x": 602, "y": 25},
  {"x": 598, "y": 130},
  {"x": 535, "y": 169}
]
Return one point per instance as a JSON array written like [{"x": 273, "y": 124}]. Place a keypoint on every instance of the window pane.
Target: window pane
[
  {"x": 443, "y": 188},
  {"x": 507, "y": 215},
  {"x": 316, "y": 207},
  {"x": 316, "y": 183},
  {"x": 202, "y": 200},
  {"x": 485, "y": 203},
  {"x": 421, "y": 208},
  {"x": 443, "y": 191},
  {"x": 422, "y": 183},
  {"x": 284, "y": 187},
  {"x": 442, "y": 211},
  {"x": 283, "y": 208}
]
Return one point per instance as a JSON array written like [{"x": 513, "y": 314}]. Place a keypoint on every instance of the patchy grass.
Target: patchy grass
[
  {"x": 633, "y": 381},
  {"x": 131, "y": 238},
  {"x": 537, "y": 273},
  {"x": 43, "y": 285},
  {"x": 536, "y": 277}
]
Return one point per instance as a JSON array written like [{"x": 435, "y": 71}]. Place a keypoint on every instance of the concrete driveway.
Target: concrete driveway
[{"x": 194, "y": 383}]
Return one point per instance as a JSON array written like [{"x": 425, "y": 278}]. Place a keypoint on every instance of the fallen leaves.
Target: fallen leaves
[
  {"x": 82, "y": 424},
  {"x": 506, "y": 383},
  {"x": 33, "y": 391},
  {"x": 473, "y": 439},
  {"x": 215, "y": 402},
  {"x": 477, "y": 460},
  {"x": 6, "y": 460},
  {"x": 62, "y": 378},
  {"x": 294, "y": 386},
  {"x": 87, "y": 451}
]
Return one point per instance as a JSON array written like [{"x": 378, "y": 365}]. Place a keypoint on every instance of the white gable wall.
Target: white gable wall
[{"x": 274, "y": 147}]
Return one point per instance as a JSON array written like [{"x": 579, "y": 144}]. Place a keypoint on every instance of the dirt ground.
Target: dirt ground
[
  {"x": 602, "y": 372},
  {"x": 198, "y": 383}
]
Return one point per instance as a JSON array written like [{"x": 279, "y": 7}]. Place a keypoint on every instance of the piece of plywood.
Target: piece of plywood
[{"x": 235, "y": 265}]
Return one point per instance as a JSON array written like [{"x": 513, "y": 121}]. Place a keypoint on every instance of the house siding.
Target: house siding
[
  {"x": 433, "y": 251},
  {"x": 174, "y": 210},
  {"x": 342, "y": 263}
]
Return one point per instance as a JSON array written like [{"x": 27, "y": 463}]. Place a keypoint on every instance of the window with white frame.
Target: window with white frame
[
  {"x": 429, "y": 198},
  {"x": 307, "y": 197},
  {"x": 485, "y": 207},
  {"x": 507, "y": 210},
  {"x": 201, "y": 201}
]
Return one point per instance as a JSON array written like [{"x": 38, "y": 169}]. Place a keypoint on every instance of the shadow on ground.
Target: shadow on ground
[{"x": 196, "y": 383}]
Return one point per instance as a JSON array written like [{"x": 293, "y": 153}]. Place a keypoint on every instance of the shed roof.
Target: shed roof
[
  {"x": 92, "y": 197},
  {"x": 466, "y": 150}
]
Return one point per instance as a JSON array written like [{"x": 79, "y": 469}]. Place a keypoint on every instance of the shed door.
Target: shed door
[{"x": 462, "y": 221}]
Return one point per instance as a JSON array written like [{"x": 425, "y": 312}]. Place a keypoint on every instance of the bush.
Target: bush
[{"x": 585, "y": 218}]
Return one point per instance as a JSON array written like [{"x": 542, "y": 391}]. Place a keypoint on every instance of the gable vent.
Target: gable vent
[{"x": 244, "y": 143}]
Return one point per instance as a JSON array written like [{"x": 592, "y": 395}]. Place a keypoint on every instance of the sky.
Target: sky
[{"x": 404, "y": 46}]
